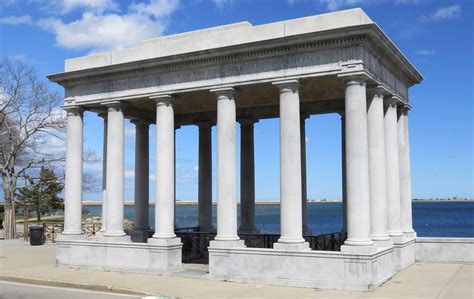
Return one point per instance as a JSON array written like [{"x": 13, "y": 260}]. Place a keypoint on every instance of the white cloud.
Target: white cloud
[
  {"x": 97, "y": 31},
  {"x": 425, "y": 52},
  {"x": 129, "y": 174},
  {"x": 156, "y": 8},
  {"x": 98, "y": 6},
  {"x": 222, "y": 3},
  {"x": 19, "y": 57},
  {"x": 332, "y": 5},
  {"x": 16, "y": 20},
  {"x": 443, "y": 13}
]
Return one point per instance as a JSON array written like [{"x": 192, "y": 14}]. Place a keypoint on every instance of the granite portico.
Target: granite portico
[{"x": 339, "y": 62}]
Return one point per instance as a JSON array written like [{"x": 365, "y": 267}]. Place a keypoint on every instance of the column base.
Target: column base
[
  {"x": 397, "y": 237},
  {"x": 226, "y": 244},
  {"x": 291, "y": 246},
  {"x": 410, "y": 234},
  {"x": 139, "y": 235},
  {"x": 165, "y": 242},
  {"x": 249, "y": 230}
]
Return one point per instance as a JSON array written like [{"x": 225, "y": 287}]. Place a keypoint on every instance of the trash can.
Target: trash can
[{"x": 36, "y": 235}]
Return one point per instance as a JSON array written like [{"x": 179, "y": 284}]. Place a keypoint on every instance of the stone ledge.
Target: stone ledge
[{"x": 313, "y": 269}]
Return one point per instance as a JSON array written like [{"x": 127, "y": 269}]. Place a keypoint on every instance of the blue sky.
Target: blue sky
[{"x": 437, "y": 37}]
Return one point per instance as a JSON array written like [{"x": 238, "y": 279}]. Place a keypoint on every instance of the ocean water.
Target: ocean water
[{"x": 430, "y": 219}]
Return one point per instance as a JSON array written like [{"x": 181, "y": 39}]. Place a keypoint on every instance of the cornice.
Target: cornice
[{"x": 186, "y": 61}]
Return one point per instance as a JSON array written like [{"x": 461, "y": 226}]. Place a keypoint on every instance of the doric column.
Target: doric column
[
  {"x": 73, "y": 183},
  {"x": 205, "y": 178},
  {"x": 405, "y": 173},
  {"x": 343, "y": 173},
  {"x": 247, "y": 177},
  {"x": 104, "y": 175},
  {"x": 141, "y": 226},
  {"x": 290, "y": 169},
  {"x": 378, "y": 197},
  {"x": 392, "y": 170},
  {"x": 176, "y": 128},
  {"x": 226, "y": 171},
  {"x": 115, "y": 172},
  {"x": 357, "y": 169},
  {"x": 304, "y": 188},
  {"x": 165, "y": 200}
]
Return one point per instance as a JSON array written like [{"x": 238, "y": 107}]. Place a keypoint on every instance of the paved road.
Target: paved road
[{"x": 12, "y": 290}]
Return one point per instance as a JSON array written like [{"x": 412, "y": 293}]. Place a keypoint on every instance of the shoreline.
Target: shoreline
[{"x": 274, "y": 203}]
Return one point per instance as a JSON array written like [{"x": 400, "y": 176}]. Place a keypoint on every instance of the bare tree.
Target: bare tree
[{"x": 30, "y": 118}]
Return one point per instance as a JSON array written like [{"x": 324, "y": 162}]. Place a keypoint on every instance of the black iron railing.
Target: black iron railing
[{"x": 195, "y": 243}]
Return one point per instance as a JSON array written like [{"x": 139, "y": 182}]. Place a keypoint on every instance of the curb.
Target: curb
[{"x": 74, "y": 285}]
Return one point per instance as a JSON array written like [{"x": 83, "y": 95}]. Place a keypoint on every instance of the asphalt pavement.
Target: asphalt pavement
[{"x": 13, "y": 290}]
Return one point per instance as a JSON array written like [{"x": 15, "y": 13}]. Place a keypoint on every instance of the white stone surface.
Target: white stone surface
[
  {"x": 115, "y": 171},
  {"x": 226, "y": 167},
  {"x": 165, "y": 168},
  {"x": 291, "y": 225},
  {"x": 314, "y": 269},
  {"x": 447, "y": 250},
  {"x": 392, "y": 170},
  {"x": 73, "y": 183},
  {"x": 247, "y": 177},
  {"x": 304, "y": 189},
  {"x": 378, "y": 193},
  {"x": 122, "y": 256},
  {"x": 104, "y": 176},
  {"x": 357, "y": 168},
  {"x": 406, "y": 222},
  {"x": 141, "y": 203},
  {"x": 222, "y": 36}
]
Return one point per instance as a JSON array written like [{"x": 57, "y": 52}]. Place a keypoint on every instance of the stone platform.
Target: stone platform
[{"x": 309, "y": 268}]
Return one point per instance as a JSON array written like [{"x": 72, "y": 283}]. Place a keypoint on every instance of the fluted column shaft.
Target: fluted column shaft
[
  {"x": 165, "y": 200},
  {"x": 226, "y": 167},
  {"x": 290, "y": 168},
  {"x": 392, "y": 170},
  {"x": 141, "y": 175},
  {"x": 357, "y": 168},
  {"x": 304, "y": 188},
  {"x": 115, "y": 171},
  {"x": 73, "y": 180},
  {"x": 104, "y": 174},
  {"x": 343, "y": 174},
  {"x": 247, "y": 177},
  {"x": 405, "y": 173},
  {"x": 378, "y": 198},
  {"x": 205, "y": 178}
]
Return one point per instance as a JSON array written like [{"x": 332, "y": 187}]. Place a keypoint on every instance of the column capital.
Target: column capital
[
  {"x": 392, "y": 101},
  {"x": 404, "y": 109},
  {"x": 287, "y": 85},
  {"x": 163, "y": 99},
  {"x": 74, "y": 110},
  {"x": 376, "y": 90},
  {"x": 113, "y": 105},
  {"x": 247, "y": 121},
  {"x": 227, "y": 92},
  {"x": 356, "y": 80}
]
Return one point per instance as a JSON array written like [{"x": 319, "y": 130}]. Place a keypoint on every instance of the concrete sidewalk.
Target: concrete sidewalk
[{"x": 24, "y": 263}]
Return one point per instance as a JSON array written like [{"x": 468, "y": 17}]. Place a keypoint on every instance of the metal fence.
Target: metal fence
[
  {"x": 53, "y": 229},
  {"x": 195, "y": 243}
]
